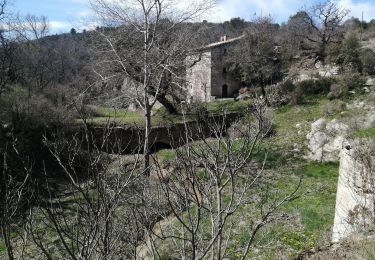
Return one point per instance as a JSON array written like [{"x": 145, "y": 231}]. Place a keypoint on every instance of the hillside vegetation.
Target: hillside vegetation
[{"x": 106, "y": 154}]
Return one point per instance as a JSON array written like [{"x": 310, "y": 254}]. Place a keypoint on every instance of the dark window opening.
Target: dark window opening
[{"x": 224, "y": 70}]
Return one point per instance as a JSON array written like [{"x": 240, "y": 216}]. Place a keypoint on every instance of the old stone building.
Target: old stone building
[{"x": 207, "y": 72}]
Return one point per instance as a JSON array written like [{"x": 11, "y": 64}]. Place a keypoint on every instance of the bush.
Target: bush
[
  {"x": 338, "y": 90},
  {"x": 315, "y": 86},
  {"x": 198, "y": 109},
  {"x": 354, "y": 81},
  {"x": 367, "y": 57},
  {"x": 297, "y": 96},
  {"x": 348, "y": 82},
  {"x": 308, "y": 87},
  {"x": 349, "y": 54},
  {"x": 287, "y": 86}
]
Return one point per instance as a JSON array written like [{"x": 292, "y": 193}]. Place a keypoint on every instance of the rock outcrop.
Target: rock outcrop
[
  {"x": 326, "y": 139},
  {"x": 355, "y": 198}
]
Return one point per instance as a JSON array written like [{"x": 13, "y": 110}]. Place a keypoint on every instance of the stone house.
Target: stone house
[{"x": 207, "y": 72}]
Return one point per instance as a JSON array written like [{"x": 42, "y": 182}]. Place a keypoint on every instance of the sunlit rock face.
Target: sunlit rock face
[
  {"x": 354, "y": 211},
  {"x": 326, "y": 139}
]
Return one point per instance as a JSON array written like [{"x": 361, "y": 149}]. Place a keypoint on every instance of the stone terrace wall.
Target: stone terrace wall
[{"x": 129, "y": 139}]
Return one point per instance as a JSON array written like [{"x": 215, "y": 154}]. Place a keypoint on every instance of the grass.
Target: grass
[
  {"x": 366, "y": 133},
  {"x": 366, "y": 250},
  {"x": 116, "y": 113},
  {"x": 2, "y": 246},
  {"x": 317, "y": 207},
  {"x": 165, "y": 155},
  {"x": 315, "y": 210},
  {"x": 311, "y": 216},
  {"x": 105, "y": 115},
  {"x": 218, "y": 106},
  {"x": 286, "y": 119},
  {"x": 273, "y": 158}
]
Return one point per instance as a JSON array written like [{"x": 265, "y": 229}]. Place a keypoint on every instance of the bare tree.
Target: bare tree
[
  {"x": 151, "y": 51},
  {"x": 92, "y": 214},
  {"x": 14, "y": 187},
  {"x": 320, "y": 25},
  {"x": 31, "y": 27},
  {"x": 208, "y": 184},
  {"x": 104, "y": 206},
  {"x": 7, "y": 48},
  {"x": 35, "y": 57},
  {"x": 257, "y": 56}
]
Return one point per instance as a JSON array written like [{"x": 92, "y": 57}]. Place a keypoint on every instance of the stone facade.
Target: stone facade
[{"x": 208, "y": 74}]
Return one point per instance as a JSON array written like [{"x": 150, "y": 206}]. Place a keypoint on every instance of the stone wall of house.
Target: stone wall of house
[
  {"x": 198, "y": 76},
  {"x": 208, "y": 75},
  {"x": 220, "y": 72},
  {"x": 354, "y": 210}
]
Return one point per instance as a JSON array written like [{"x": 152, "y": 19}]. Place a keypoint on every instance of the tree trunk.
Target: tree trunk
[
  {"x": 164, "y": 101},
  {"x": 146, "y": 148},
  {"x": 167, "y": 104}
]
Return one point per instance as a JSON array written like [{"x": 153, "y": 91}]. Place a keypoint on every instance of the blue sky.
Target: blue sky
[{"x": 65, "y": 14}]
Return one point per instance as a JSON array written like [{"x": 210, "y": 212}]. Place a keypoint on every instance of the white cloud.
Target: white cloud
[
  {"x": 57, "y": 25},
  {"x": 280, "y": 10},
  {"x": 84, "y": 14},
  {"x": 356, "y": 8}
]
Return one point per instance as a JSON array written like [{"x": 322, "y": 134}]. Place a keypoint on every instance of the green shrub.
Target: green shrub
[
  {"x": 297, "y": 96},
  {"x": 333, "y": 52},
  {"x": 287, "y": 86},
  {"x": 17, "y": 107},
  {"x": 201, "y": 111},
  {"x": 316, "y": 86},
  {"x": 349, "y": 54},
  {"x": 367, "y": 58},
  {"x": 299, "y": 240},
  {"x": 354, "y": 81},
  {"x": 348, "y": 82},
  {"x": 338, "y": 90}
]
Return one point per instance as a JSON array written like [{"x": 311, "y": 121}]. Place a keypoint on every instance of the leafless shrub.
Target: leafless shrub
[{"x": 209, "y": 183}]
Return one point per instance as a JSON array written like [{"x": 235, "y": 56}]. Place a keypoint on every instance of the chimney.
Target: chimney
[{"x": 224, "y": 38}]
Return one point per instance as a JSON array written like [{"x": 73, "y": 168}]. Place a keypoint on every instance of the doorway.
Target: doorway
[{"x": 224, "y": 91}]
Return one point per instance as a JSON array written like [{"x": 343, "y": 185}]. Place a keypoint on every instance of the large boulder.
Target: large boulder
[{"x": 326, "y": 140}]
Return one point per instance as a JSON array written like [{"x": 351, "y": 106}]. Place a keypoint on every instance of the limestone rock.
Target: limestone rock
[
  {"x": 354, "y": 204},
  {"x": 244, "y": 96},
  {"x": 370, "y": 82},
  {"x": 326, "y": 139}
]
